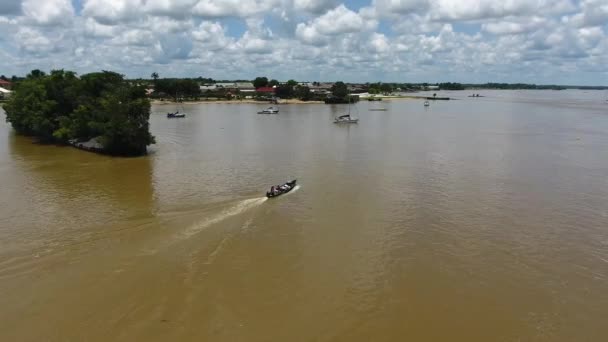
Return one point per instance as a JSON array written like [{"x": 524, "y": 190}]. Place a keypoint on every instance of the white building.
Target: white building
[{"x": 4, "y": 93}]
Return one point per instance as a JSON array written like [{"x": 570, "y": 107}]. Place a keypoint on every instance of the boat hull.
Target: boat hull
[{"x": 291, "y": 184}]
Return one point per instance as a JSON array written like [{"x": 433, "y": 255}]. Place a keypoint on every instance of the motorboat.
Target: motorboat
[
  {"x": 269, "y": 110},
  {"x": 426, "y": 103},
  {"x": 175, "y": 115},
  {"x": 279, "y": 190},
  {"x": 345, "y": 119}
]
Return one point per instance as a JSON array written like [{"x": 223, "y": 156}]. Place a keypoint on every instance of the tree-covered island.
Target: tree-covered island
[{"x": 99, "y": 108}]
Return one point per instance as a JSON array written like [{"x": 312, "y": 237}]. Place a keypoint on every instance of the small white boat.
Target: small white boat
[
  {"x": 269, "y": 110},
  {"x": 176, "y": 115},
  {"x": 345, "y": 119},
  {"x": 426, "y": 103}
]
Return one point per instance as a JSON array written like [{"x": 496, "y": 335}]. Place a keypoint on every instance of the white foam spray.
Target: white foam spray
[{"x": 234, "y": 210}]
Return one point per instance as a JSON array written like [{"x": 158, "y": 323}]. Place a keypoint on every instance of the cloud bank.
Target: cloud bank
[{"x": 540, "y": 41}]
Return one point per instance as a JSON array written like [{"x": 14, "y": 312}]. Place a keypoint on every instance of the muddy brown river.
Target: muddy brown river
[{"x": 477, "y": 219}]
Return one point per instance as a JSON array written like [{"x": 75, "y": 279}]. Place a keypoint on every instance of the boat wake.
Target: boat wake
[
  {"x": 294, "y": 190},
  {"x": 238, "y": 208}
]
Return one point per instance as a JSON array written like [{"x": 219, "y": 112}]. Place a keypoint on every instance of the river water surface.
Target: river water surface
[{"x": 478, "y": 219}]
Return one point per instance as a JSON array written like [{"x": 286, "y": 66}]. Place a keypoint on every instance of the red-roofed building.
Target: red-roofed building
[
  {"x": 265, "y": 90},
  {"x": 5, "y": 84}
]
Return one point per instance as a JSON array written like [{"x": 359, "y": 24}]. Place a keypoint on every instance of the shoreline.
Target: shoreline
[
  {"x": 281, "y": 102},
  {"x": 247, "y": 101}
]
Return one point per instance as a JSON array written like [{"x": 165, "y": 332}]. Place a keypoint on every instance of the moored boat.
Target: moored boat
[
  {"x": 269, "y": 110},
  {"x": 426, "y": 103},
  {"x": 176, "y": 115},
  {"x": 278, "y": 190},
  {"x": 346, "y": 119}
]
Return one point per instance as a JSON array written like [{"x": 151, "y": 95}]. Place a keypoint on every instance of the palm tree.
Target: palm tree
[{"x": 154, "y": 76}]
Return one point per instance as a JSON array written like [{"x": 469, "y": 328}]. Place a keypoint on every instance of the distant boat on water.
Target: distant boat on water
[
  {"x": 426, "y": 103},
  {"x": 175, "y": 115},
  {"x": 346, "y": 118},
  {"x": 269, "y": 110}
]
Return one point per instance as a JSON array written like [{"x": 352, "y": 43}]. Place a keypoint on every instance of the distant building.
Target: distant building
[
  {"x": 245, "y": 87},
  {"x": 227, "y": 85},
  {"x": 208, "y": 87},
  {"x": 356, "y": 88},
  {"x": 4, "y": 93},
  {"x": 321, "y": 88},
  {"x": 5, "y": 84},
  {"x": 265, "y": 90}
]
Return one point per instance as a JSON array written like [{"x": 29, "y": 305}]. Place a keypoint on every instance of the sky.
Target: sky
[{"x": 468, "y": 41}]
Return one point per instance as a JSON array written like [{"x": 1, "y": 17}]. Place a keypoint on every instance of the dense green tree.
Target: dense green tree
[
  {"x": 36, "y": 73},
  {"x": 386, "y": 88},
  {"x": 207, "y": 80},
  {"x": 292, "y": 83},
  {"x": 273, "y": 83},
  {"x": 60, "y": 106},
  {"x": 178, "y": 88},
  {"x": 284, "y": 91},
  {"x": 451, "y": 86},
  {"x": 339, "y": 89},
  {"x": 303, "y": 93},
  {"x": 29, "y": 110},
  {"x": 260, "y": 82}
]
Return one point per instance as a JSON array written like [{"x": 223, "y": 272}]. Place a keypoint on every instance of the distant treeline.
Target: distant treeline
[{"x": 62, "y": 107}]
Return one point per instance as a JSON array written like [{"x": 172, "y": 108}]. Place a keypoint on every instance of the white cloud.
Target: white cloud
[
  {"x": 112, "y": 12},
  {"x": 233, "y": 8},
  {"x": 33, "y": 41},
  {"x": 211, "y": 35},
  {"x": 594, "y": 13},
  {"x": 339, "y": 20},
  {"x": 135, "y": 37},
  {"x": 399, "y": 7},
  {"x": 311, "y": 39},
  {"x": 379, "y": 43},
  {"x": 48, "y": 12},
  {"x": 483, "y": 9},
  {"x": 94, "y": 29},
  {"x": 172, "y": 8},
  {"x": 515, "y": 26},
  {"x": 314, "y": 6}
]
